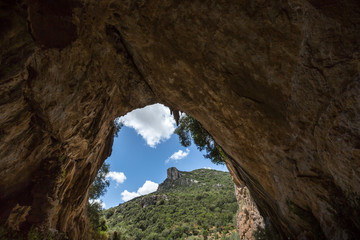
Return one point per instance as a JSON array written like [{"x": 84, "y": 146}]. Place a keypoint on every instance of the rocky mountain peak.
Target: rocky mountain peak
[
  {"x": 176, "y": 178},
  {"x": 173, "y": 173}
]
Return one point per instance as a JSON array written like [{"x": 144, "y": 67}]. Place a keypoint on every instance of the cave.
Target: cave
[{"x": 276, "y": 83}]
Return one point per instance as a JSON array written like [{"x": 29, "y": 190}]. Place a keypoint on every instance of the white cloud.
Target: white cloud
[
  {"x": 147, "y": 188},
  {"x": 154, "y": 123},
  {"x": 207, "y": 168},
  {"x": 118, "y": 177},
  {"x": 178, "y": 155},
  {"x": 126, "y": 195}
]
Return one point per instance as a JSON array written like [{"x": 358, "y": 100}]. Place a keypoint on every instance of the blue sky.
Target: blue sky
[{"x": 144, "y": 149}]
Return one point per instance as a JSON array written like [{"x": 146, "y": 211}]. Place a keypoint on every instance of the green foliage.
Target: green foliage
[
  {"x": 189, "y": 128},
  {"x": 33, "y": 234},
  {"x": 97, "y": 189},
  {"x": 102, "y": 226},
  {"x": 116, "y": 236},
  {"x": 103, "y": 235},
  {"x": 205, "y": 233},
  {"x": 118, "y": 125},
  {"x": 234, "y": 236},
  {"x": 63, "y": 174},
  {"x": 94, "y": 213},
  {"x": 192, "y": 209},
  {"x": 99, "y": 185}
]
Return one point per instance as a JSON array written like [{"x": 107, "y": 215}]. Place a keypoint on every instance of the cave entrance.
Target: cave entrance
[
  {"x": 143, "y": 149},
  {"x": 145, "y": 153}
]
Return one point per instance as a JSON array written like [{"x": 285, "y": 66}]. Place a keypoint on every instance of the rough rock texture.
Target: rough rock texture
[
  {"x": 57, "y": 111},
  {"x": 249, "y": 221},
  {"x": 174, "y": 177},
  {"x": 173, "y": 173},
  {"x": 276, "y": 83}
]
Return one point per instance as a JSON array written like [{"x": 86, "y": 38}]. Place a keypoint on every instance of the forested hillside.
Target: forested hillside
[{"x": 188, "y": 205}]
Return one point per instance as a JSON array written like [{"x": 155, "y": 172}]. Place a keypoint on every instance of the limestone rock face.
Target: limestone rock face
[
  {"x": 250, "y": 224},
  {"x": 249, "y": 220},
  {"x": 173, "y": 173},
  {"x": 276, "y": 83},
  {"x": 174, "y": 177}
]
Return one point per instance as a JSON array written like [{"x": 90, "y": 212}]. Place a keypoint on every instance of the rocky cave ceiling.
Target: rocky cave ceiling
[{"x": 276, "y": 83}]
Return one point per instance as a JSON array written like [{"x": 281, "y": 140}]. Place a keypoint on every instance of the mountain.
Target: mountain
[{"x": 187, "y": 205}]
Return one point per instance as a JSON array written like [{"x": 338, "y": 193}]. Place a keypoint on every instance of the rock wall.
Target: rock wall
[
  {"x": 175, "y": 178},
  {"x": 57, "y": 112},
  {"x": 276, "y": 83},
  {"x": 250, "y": 223}
]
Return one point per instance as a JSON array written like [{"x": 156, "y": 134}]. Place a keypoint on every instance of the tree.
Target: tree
[
  {"x": 118, "y": 125},
  {"x": 116, "y": 236},
  {"x": 93, "y": 211},
  {"x": 97, "y": 189},
  {"x": 189, "y": 128},
  {"x": 205, "y": 233},
  {"x": 100, "y": 183}
]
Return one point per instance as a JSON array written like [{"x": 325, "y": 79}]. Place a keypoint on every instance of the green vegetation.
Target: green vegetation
[
  {"x": 189, "y": 128},
  {"x": 99, "y": 185},
  {"x": 97, "y": 189},
  {"x": 33, "y": 234},
  {"x": 199, "y": 204},
  {"x": 118, "y": 125}
]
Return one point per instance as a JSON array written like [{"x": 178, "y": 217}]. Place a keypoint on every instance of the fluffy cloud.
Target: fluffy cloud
[
  {"x": 154, "y": 123},
  {"x": 178, "y": 155},
  {"x": 118, "y": 177},
  {"x": 207, "y": 168},
  {"x": 147, "y": 188},
  {"x": 126, "y": 195}
]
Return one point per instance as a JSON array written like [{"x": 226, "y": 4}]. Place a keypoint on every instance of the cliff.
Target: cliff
[
  {"x": 276, "y": 83},
  {"x": 173, "y": 173},
  {"x": 175, "y": 178}
]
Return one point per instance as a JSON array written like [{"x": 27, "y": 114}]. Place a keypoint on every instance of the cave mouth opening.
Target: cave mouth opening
[{"x": 145, "y": 154}]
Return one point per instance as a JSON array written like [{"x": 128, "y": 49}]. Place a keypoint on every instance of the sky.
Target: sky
[{"x": 144, "y": 149}]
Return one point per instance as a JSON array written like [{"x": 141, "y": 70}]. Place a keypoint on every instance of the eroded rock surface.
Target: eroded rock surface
[
  {"x": 173, "y": 173},
  {"x": 175, "y": 178},
  {"x": 276, "y": 83},
  {"x": 250, "y": 223}
]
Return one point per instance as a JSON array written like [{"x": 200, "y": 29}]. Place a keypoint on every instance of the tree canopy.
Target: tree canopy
[
  {"x": 189, "y": 128},
  {"x": 97, "y": 189}
]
